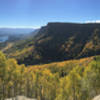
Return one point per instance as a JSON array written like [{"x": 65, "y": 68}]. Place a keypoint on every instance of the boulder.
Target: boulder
[
  {"x": 97, "y": 97},
  {"x": 20, "y": 98}
]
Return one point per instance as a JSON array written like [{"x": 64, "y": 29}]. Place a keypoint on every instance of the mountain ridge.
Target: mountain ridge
[{"x": 62, "y": 41}]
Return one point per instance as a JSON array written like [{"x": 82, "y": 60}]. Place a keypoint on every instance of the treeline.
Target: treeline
[{"x": 71, "y": 80}]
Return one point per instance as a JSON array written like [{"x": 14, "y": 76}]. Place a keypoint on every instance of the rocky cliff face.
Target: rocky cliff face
[{"x": 61, "y": 41}]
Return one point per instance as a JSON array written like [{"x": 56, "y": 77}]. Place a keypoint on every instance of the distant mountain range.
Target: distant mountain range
[
  {"x": 58, "y": 42},
  {"x": 11, "y": 34},
  {"x": 13, "y": 31}
]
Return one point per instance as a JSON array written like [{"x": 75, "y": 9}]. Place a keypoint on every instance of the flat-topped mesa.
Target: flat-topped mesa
[
  {"x": 63, "y": 30},
  {"x": 61, "y": 41}
]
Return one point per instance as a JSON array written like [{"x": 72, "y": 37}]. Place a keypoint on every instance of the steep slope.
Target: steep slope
[{"x": 62, "y": 41}]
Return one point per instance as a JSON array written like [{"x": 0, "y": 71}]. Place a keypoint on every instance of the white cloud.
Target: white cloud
[{"x": 92, "y": 21}]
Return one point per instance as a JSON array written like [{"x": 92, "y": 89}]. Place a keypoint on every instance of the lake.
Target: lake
[{"x": 3, "y": 38}]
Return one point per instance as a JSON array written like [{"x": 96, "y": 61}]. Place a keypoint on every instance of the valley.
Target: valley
[{"x": 57, "y": 42}]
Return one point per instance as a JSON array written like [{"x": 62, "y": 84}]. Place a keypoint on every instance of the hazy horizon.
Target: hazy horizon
[
  {"x": 19, "y": 27},
  {"x": 32, "y": 27}
]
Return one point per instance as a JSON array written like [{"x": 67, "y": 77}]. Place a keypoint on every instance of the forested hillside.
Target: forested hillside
[
  {"x": 58, "y": 42},
  {"x": 11, "y": 38},
  {"x": 67, "y": 80}
]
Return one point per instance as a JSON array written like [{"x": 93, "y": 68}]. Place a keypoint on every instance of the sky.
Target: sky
[{"x": 37, "y": 13}]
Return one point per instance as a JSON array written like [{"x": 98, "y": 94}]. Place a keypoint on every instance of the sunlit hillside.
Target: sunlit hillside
[{"x": 54, "y": 81}]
